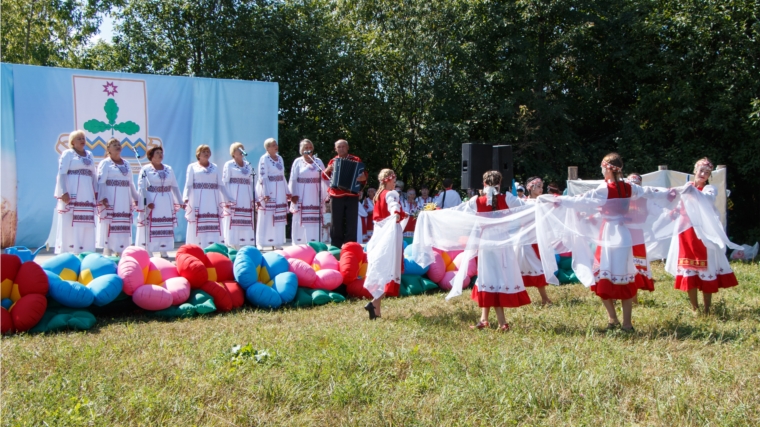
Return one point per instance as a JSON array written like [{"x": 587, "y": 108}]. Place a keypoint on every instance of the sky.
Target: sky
[{"x": 106, "y": 30}]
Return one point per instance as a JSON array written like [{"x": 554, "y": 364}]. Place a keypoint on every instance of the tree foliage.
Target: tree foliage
[{"x": 406, "y": 83}]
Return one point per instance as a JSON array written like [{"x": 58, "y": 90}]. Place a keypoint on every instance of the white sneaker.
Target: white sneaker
[{"x": 164, "y": 254}]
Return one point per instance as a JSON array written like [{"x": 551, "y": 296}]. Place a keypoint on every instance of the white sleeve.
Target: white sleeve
[
  {"x": 512, "y": 200},
  {"x": 174, "y": 185},
  {"x": 282, "y": 171},
  {"x": 226, "y": 195},
  {"x": 648, "y": 192},
  {"x": 101, "y": 179},
  {"x": 94, "y": 177},
  {"x": 226, "y": 173},
  {"x": 711, "y": 192},
  {"x": 188, "y": 182},
  {"x": 392, "y": 200},
  {"x": 293, "y": 179},
  {"x": 132, "y": 190},
  {"x": 62, "y": 178}
]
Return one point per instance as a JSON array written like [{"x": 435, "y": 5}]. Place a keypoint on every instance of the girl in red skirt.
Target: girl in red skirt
[
  {"x": 702, "y": 266},
  {"x": 499, "y": 282},
  {"x": 385, "y": 250}
]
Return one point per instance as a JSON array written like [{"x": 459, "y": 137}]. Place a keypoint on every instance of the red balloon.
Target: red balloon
[{"x": 28, "y": 311}]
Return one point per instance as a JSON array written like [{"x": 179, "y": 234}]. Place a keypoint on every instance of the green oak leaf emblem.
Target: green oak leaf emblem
[{"x": 112, "y": 112}]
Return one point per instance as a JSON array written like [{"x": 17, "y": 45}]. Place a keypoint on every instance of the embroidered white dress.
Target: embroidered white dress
[
  {"x": 306, "y": 183},
  {"x": 156, "y": 226},
  {"x": 273, "y": 215},
  {"x": 238, "y": 220},
  {"x": 75, "y": 231},
  {"x": 206, "y": 196},
  {"x": 115, "y": 222}
]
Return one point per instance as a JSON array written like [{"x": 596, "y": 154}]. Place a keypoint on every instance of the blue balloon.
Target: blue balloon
[
  {"x": 98, "y": 265},
  {"x": 7, "y": 303},
  {"x": 65, "y": 261},
  {"x": 69, "y": 293},
  {"x": 106, "y": 288},
  {"x": 263, "y": 296},
  {"x": 275, "y": 264},
  {"x": 245, "y": 267},
  {"x": 286, "y": 284},
  {"x": 414, "y": 269}
]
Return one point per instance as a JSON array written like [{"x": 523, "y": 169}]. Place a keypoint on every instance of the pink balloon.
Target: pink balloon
[
  {"x": 303, "y": 252},
  {"x": 326, "y": 261},
  {"x": 472, "y": 266},
  {"x": 131, "y": 273},
  {"x": 139, "y": 254},
  {"x": 437, "y": 268},
  {"x": 328, "y": 280},
  {"x": 167, "y": 269},
  {"x": 303, "y": 271},
  {"x": 446, "y": 281},
  {"x": 152, "y": 297},
  {"x": 179, "y": 288}
]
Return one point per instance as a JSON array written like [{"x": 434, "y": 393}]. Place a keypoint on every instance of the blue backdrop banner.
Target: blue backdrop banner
[{"x": 177, "y": 113}]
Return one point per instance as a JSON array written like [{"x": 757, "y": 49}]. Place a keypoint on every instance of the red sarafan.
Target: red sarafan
[{"x": 24, "y": 286}]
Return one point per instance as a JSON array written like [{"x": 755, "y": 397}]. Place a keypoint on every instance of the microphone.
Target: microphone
[
  {"x": 137, "y": 155},
  {"x": 243, "y": 151},
  {"x": 308, "y": 152}
]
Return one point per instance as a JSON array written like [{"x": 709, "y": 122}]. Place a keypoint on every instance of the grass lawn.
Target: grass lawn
[{"x": 420, "y": 365}]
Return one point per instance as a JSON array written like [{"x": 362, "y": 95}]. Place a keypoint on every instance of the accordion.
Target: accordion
[{"x": 344, "y": 175}]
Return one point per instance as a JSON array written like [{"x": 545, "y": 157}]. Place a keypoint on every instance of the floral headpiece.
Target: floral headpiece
[
  {"x": 703, "y": 162},
  {"x": 531, "y": 184},
  {"x": 610, "y": 167},
  {"x": 635, "y": 178},
  {"x": 389, "y": 178}
]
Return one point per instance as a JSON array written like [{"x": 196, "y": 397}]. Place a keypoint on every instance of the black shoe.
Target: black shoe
[{"x": 371, "y": 310}]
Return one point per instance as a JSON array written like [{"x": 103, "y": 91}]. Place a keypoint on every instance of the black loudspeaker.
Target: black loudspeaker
[
  {"x": 476, "y": 160},
  {"x": 502, "y": 162}
]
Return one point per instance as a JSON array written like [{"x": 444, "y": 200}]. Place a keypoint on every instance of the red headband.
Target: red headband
[
  {"x": 388, "y": 178},
  {"x": 610, "y": 167}
]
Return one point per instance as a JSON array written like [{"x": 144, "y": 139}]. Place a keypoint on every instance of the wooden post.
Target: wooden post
[
  {"x": 662, "y": 167},
  {"x": 572, "y": 173}
]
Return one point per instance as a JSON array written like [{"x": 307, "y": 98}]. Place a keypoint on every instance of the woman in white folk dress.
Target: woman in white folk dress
[
  {"x": 76, "y": 193},
  {"x": 117, "y": 198},
  {"x": 205, "y": 196},
  {"x": 238, "y": 179},
  {"x": 273, "y": 194},
  {"x": 158, "y": 204},
  {"x": 308, "y": 192}
]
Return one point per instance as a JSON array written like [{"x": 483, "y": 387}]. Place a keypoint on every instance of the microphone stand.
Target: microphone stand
[
  {"x": 253, "y": 197},
  {"x": 319, "y": 192}
]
